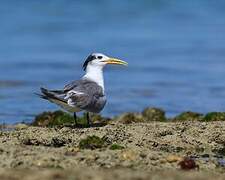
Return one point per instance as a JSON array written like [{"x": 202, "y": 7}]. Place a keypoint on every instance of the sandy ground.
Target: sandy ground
[{"x": 151, "y": 151}]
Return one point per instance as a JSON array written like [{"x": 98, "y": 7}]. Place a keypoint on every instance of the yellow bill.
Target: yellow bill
[{"x": 115, "y": 61}]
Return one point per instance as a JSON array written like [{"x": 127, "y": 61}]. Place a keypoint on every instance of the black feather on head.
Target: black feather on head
[{"x": 89, "y": 58}]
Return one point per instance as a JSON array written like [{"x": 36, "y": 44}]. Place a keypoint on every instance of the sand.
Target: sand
[{"x": 149, "y": 150}]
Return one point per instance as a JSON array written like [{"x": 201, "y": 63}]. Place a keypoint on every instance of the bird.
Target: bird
[{"x": 86, "y": 94}]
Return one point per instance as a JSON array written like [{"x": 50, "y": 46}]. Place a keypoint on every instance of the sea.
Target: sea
[{"x": 175, "y": 50}]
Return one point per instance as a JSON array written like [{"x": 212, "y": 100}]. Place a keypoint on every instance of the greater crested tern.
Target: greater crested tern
[{"x": 86, "y": 94}]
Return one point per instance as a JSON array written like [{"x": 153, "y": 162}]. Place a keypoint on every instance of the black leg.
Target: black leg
[
  {"x": 88, "y": 119},
  {"x": 75, "y": 118}
]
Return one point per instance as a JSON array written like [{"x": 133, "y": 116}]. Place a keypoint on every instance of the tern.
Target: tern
[{"x": 86, "y": 94}]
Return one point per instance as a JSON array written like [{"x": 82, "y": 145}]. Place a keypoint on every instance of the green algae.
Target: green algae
[
  {"x": 116, "y": 147},
  {"x": 153, "y": 114},
  {"x": 188, "y": 116},
  {"x": 55, "y": 118},
  {"x": 92, "y": 142},
  {"x": 214, "y": 116},
  {"x": 61, "y": 118},
  {"x": 148, "y": 115}
]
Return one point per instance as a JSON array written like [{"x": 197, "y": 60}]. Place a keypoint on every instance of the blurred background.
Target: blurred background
[{"x": 175, "y": 50}]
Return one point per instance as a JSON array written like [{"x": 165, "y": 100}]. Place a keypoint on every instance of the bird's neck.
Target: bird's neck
[{"x": 95, "y": 73}]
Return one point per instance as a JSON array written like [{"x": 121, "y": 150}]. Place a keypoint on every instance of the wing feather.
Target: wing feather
[
  {"x": 83, "y": 94},
  {"x": 78, "y": 99}
]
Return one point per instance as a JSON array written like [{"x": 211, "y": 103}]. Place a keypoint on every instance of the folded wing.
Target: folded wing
[{"x": 77, "y": 96}]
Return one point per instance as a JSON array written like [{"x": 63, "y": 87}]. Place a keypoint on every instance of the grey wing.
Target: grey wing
[
  {"x": 78, "y": 99},
  {"x": 82, "y": 94},
  {"x": 97, "y": 104},
  {"x": 86, "y": 95},
  {"x": 72, "y": 85},
  {"x": 91, "y": 103}
]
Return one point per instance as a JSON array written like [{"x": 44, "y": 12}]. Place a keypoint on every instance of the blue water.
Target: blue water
[{"x": 175, "y": 50}]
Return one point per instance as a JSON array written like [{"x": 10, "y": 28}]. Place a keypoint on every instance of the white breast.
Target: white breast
[{"x": 95, "y": 73}]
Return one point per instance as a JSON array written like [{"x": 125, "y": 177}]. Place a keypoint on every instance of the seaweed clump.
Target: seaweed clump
[
  {"x": 188, "y": 116},
  {"x": 148, "y": 115},
  {"x": 55, "y": 118},
  {"x": 116, "y": 147},
  {"x": 98, "y": 119},
  {"x": 153, "y": 114},
  {"x": 92, "y": 142},
  {"x": 214, "y": 116},
  {"x": 128, "y": 118},
  {"x": 61, "y": 118}
]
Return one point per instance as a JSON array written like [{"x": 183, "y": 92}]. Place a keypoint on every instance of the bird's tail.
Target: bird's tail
[
  {"x": 52, "y": 96},
  {"x": 57, "y": 97}
]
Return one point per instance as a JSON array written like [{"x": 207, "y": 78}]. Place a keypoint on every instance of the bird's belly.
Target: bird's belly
[
  {"x": 72, "y": 109},
  {"x": 66, "y": 106}
]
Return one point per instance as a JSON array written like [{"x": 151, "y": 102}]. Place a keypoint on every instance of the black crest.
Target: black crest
[{"x": 89, "y": 58}]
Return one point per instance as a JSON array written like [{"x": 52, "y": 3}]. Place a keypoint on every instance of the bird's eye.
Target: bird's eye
[{"x": 100, "y": 57}]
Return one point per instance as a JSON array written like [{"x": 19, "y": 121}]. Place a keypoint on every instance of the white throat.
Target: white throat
[{"x": 95, "y": 73}]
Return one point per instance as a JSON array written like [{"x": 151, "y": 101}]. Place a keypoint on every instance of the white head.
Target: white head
[
  {"x": 94, "y": 65},
  {"x": 98, "y": 60}
]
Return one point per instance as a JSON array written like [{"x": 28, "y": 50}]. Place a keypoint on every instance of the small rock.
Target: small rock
[
  {"x": 188, "y": 164},
  {"x": 128, "y": 155},
  {"x": 173, "y": 158}
]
